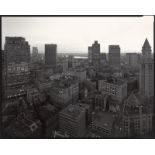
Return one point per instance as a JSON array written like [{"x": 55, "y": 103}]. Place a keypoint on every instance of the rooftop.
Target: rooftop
[
  {"x": 114, "y": 47},
  {"x": 115, "y": 81},
  {"x": 103, "y": 120},
  {"x": 64, "y": 81},
  {"x": 73, "y": 111}
]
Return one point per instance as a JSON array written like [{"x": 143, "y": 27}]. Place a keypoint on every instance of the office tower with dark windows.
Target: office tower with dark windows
[
  {"x": 147, "y": 71},
  {"x": 17, "y": 50},
  {"x": 72, "y": 121},
  {"x": 137, "y": 116},
  {"x": 17, "y": 57},
  {"x": 50, "y": 55},
  {"x": 94, "y": 53},
  {"x": 114, "y": 55}
]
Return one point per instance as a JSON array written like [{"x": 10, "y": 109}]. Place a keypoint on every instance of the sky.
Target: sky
[{"x": 75, "y": 34}]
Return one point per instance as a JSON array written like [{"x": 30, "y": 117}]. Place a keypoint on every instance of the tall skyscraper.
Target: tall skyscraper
[
  {"x": 17, "y": 50},
  {"x": 17, "y": 64},
  {"x": 147, "y": 71},
  {"x": 132, "y": 59},
  {"x": 94, "y": 53},
  {"x": 114, "y": 55},
  {"x": 50, "y": 55}
]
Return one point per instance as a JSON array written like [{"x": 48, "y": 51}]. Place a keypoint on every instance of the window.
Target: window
[{"x": 150, "y": 66}]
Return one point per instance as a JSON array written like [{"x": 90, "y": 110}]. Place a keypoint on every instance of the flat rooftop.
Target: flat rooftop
[
  {"x": 103, "y": 120},
  {"x": 115, "y": 81},
  {"x": 73, "y": 111}
]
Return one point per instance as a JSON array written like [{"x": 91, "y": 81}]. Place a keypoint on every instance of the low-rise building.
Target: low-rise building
[
  {"x": 117, "y": 88},
  {"x": 64, "y": 91}
]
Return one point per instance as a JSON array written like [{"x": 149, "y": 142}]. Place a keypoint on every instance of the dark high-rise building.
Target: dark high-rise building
[
  {"x": 114, "y": 55},
  {"x": 17, "y": 65},
  {"x": 94, "y": 53},
  {"x": 50, "y": 55},
  {"x": 17, "y": 50}
]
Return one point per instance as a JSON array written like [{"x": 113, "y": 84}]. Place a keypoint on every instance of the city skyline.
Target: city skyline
[
  {"x": 37, "y": 30},
  {"x": 58, "y": 96},
  {"x": 109, "y": 94}
]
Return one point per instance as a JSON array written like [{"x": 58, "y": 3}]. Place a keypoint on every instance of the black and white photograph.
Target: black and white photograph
[{"x": 71, "y": 77}]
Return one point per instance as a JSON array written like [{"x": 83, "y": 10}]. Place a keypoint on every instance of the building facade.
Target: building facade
[
  {"x": 103, "y": 58},
  {"x": 146, "y": 71},
  {"x": 114, "y": 55},
  {"x": 17, "y": 50},
  {"x": 102, "y": 124},
  {"x": 18, "y": 74},
  {"x": 72, "y": 121},
  {"x": 64, "y": 91},
  {"x": 17, "y": 64},
  {"x": 80, "y": 73},
  {"x": 50, "y": 55},
  {"x": 35, "y": 56},
  {"x": 65, "y": 65},
  {"x": 116, "y": 88},
  {"x": 94, "y": 53},
  {"x": 90, "y": 54},
  {"x": 132, "y": 59},
  {"x": 137, "y": 118}
]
